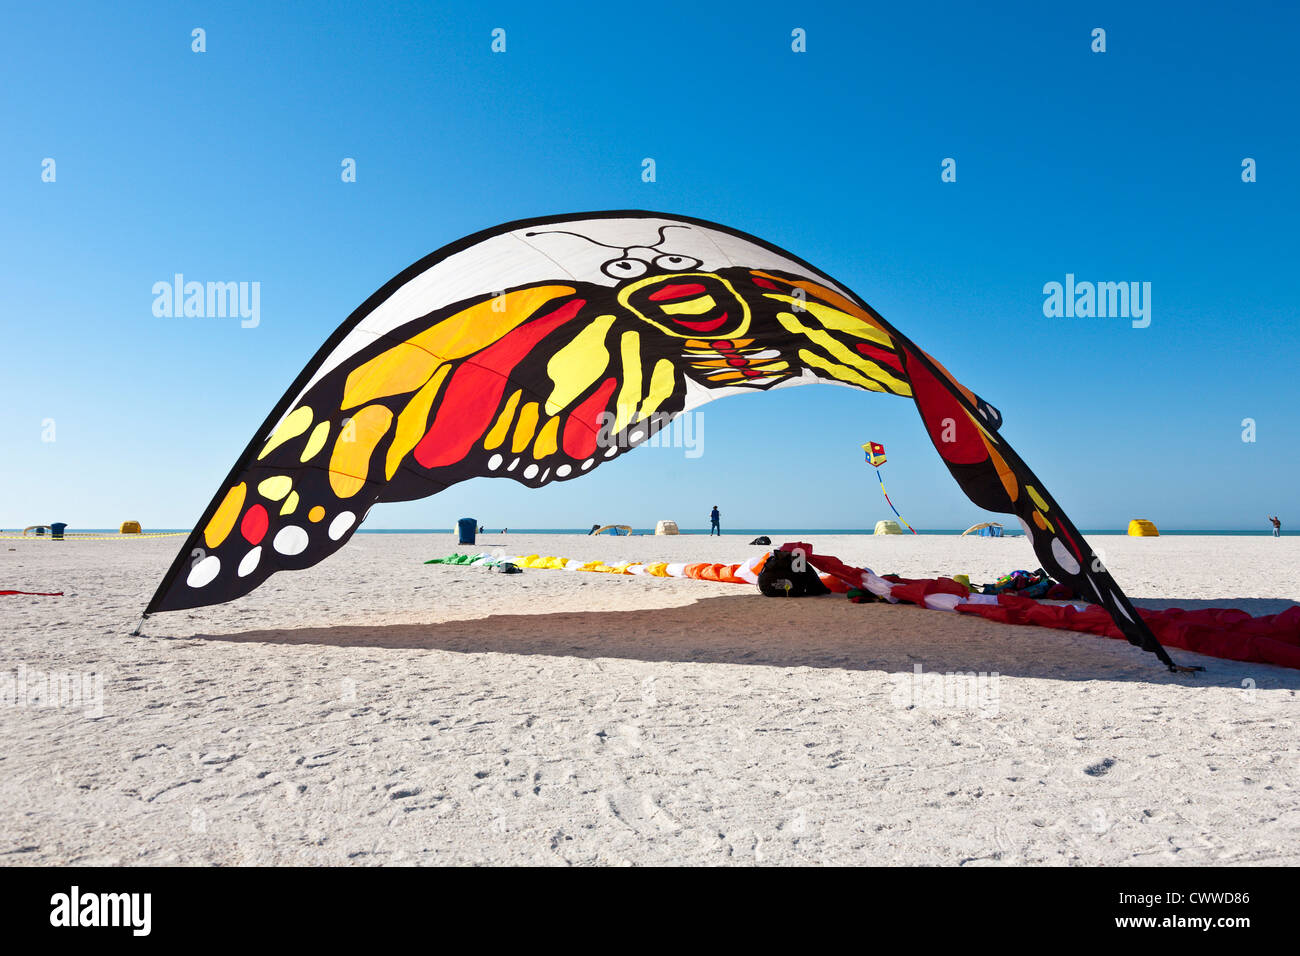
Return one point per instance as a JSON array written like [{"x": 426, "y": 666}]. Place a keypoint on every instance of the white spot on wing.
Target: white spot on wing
[
  {"x": 203, "y": 572},
  {"x": 291, "y": 540},
  {"x": 249, "y": 563},
  {"x": 340, "y": 525}
]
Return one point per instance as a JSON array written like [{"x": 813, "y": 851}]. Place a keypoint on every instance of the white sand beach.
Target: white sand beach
[{"x": 375, "y": 710}]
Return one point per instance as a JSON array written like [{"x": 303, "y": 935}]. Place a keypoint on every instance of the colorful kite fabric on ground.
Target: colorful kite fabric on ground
[
  {"x": 538, "y": 350},
  {"x": 1226, "y": 633}
]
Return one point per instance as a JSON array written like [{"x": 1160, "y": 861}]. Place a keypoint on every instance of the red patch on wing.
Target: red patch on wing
[
  {"x": 583, "y": 424},
  {"x": 708, "y": 325},
  {"x": 1074, "y": 545},
  {"x": 474, "y": 393},
  {"x": 945, "y": 418},
  {"x": 678, "y": 290},
  {"x": 253, "y": 526},
  {"x": 882, "y": 356}
]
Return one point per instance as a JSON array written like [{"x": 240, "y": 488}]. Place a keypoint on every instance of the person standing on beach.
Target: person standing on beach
[
  {"x": 1277, "y": 525},
  {"x": 715, "y": 519}
]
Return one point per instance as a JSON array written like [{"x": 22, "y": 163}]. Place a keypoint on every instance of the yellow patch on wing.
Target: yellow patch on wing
[
  {"x": 413, "y": 421},
  {"x": 696, "y": 306},
  {"x": 290, "y": 504},
  {"x": 547, "y": 440},
  {"x": 661, "y": 386},
  {"x": 629, "y": 393},
  {"x": 294, "y": 424},
  {"x": 842, "y": 372},
  {"x": 408, "y": 365},
  {"x": 275, "y": 488},
  {"x": 850, "y": 367},
  {"x": 577, "y": 365},
  {"x": 315, "y": 442},
  {"x": 828, "y": 295},
  {"x": 497, "y": 434},
  {"x": 223, "y": 519},
  {"x": 833, "y": 318},
  {"x": 525, "y": 427},
  {"x": 350, "y": 460}
]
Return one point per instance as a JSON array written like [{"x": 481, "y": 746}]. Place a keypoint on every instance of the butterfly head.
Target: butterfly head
[
  {"x": 674, "y": 292},
  {"x": 684, "y": 301}
]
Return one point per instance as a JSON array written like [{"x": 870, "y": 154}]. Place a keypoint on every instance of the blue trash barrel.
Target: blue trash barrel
[
  {"x": 466, "y": 528},
  {"x": 56, "y": 529}
]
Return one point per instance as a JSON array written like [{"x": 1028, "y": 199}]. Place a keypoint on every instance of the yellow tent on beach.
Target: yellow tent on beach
[{"x": 1142, "y": 528}]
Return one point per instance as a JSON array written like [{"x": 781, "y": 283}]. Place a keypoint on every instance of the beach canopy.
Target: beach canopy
[
  {"x": 887, "y": 526},
  {"x": 541, "y": 349},
  {"x": 1141, "y": 528}
]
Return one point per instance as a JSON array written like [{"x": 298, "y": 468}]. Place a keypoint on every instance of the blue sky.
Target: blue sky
[{"x": 224, "y": 165}]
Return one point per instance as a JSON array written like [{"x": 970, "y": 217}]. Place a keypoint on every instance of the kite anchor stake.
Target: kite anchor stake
[
  {"x": 1185, "y": 668},
  {"x": 136, "y": 632}
]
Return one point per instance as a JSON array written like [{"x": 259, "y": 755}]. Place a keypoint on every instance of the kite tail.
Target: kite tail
[{"x": 890, "y": 503}]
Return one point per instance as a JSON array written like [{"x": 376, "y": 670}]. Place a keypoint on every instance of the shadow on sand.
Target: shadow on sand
[{"x": 825, "y": 632}]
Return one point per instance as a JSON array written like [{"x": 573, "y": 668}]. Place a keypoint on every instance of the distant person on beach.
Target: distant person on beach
[
  {"x": 1277, "y": 525},
  {"x": 715, "y": 519}
]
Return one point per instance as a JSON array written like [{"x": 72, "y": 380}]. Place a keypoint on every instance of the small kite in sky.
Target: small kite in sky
[{"x": 876, "y": 457}]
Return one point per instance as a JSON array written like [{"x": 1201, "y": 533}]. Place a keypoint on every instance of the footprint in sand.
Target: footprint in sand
[{"x": 640, "y": 813}]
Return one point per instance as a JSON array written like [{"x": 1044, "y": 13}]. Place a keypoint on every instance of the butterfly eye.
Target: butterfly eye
[
  {"x": 677, "y": 263},
  {"x": 625, "y": 268}
]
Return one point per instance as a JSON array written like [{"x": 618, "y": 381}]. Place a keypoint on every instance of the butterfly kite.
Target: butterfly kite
[{"x": 541, "y": 349}]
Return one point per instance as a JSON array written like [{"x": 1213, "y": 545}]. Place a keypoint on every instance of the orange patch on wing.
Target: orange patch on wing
[
  {"x": 1005, "y": 474},
  {"x": 223, "y": 519},
  {"x": 350, "y": 460}
]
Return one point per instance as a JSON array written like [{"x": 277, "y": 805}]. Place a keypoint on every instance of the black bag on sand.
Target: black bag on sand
[
  {"x": 780, "y": 579},
  {"x": 761, "y": 539}
]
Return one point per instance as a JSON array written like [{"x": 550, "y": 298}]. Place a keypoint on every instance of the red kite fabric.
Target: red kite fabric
[
  {"x": 1218, "y": 632},
  {"x": 539, "y": 350},
  {"x": 1227, "y": 633}
]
